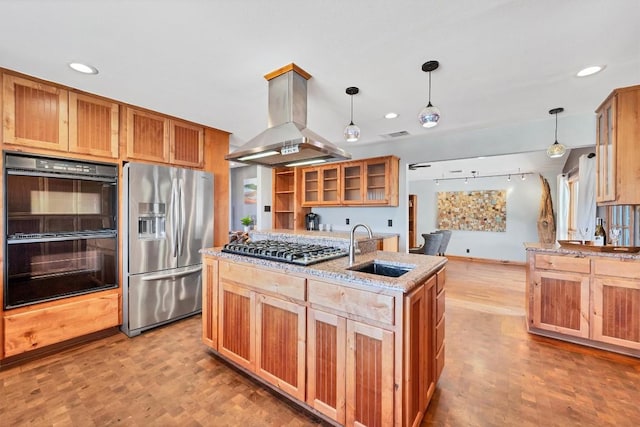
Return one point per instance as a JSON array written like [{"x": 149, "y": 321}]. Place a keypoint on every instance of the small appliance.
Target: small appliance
[{"x": 312, "y": 220}]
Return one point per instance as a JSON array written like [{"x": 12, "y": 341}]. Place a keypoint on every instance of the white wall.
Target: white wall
[{"x": 523, "y": 205}]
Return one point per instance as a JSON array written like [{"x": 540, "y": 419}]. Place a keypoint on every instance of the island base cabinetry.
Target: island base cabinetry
[
  {"x": 592, "y": 300},
  {"x": 338, "y": 350}
]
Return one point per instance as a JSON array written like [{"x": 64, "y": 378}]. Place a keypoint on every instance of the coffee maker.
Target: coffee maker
[{"x": 312, "y": 220}]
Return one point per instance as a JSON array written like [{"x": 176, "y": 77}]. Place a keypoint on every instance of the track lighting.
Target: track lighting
[
  {"x": 556, "y": 150},
  {"x": 352, "y": 132},
  {"x": 429, "y": 115}
]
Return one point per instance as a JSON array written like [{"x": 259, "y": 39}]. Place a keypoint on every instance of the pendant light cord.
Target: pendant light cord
[
  {"x": 352, "y": 110},
  {"x": 429, "y": 104},
  {"x": 556, "y": 128}
]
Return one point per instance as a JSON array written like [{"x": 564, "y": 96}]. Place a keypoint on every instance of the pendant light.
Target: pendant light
[
  {"x": 429, "y": 115},
  {"x": 556, "y": 149},
  {"x": 352, "y": 132}
]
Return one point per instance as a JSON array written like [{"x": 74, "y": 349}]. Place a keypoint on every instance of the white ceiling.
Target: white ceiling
[{"x": 502, "y": 62}]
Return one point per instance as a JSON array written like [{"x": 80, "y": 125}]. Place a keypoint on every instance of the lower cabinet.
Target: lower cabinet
[
  {"x": 561, "y": 302},
  {"x": 589, "y": 299},
  {"x": 358, "y": 356},
  {"x": 33, "y": 328}
]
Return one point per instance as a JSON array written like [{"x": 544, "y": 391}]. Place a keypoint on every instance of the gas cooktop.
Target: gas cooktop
[{"x": 292, "y": 253}]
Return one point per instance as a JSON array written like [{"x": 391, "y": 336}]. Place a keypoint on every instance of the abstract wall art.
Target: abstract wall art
[{"x": 479, "y": 210}]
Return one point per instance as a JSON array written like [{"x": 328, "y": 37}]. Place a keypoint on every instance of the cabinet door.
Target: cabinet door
[
  {"x": 369, "y": 377},
  {"x": 186, "y": 144},
  {"x": 352, "y": 183},
  {"x": 561, "y": 302},
  {"x": 93, "y": 126},
  {"x": 237, "y": 310},
  {"x": 381, "y": 181},
  {"x": 280, "y": 345},
  {"x": 310, "y": 187},
  {"x": 616, "y": 310},
  {"x": 210, "y": 302},
  {"x": 330, "y": 185},
  {"x": 35, "y": 114},
  {"x": 326, "y": 362},
  {"x": 606, "y": 152},
  {"x": 147, "y": 136}
]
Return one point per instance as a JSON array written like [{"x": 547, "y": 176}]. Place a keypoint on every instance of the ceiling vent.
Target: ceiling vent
[{"x": 396, "y": 134}]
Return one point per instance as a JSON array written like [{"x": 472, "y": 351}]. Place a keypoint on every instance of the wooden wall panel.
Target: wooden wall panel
[{"x": 216, "y": 143}]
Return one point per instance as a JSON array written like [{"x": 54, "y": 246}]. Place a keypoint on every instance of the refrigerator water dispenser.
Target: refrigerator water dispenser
[{"x": 151, "y": 221}]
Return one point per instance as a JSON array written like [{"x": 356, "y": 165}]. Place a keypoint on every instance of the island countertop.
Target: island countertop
[
  {"x": 555, "y": 248},
  {"x": 422, "y": 267}
]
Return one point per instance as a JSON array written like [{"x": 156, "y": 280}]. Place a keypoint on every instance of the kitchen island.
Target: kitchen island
[
  {"x": 380, "y": 241},
  {"x": 584, "y": 295},
  {"x": 354, "y": 348}
]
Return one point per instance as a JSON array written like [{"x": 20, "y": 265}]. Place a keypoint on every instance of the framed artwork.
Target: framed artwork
[
  {"x": 480, "y": 210},
  {"x": 250, "y": 190}
]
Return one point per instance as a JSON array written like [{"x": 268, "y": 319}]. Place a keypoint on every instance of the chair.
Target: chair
[
  {"x": 446, "y": 236},
  {"x": 431, "y": 244}
]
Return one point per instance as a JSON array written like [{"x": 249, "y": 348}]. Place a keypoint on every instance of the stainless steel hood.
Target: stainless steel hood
[{"x": 287, "y": 140}]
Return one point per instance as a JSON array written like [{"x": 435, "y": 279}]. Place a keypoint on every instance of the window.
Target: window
[{"x": 625, "y": 217}]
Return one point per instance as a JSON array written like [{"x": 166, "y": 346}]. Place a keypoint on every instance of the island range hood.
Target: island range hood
[{"x": 287, "y": 140}]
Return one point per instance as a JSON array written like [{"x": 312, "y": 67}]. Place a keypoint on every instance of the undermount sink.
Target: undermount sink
[{"x": 382, "y": 269}]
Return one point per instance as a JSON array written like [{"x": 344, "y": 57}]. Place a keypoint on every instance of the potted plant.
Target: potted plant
[{"x": 246, "y": 221}]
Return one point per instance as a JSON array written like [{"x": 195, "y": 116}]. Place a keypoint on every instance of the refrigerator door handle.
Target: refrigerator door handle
[
  {"x": 174, "y": 203},
  {"x": 163, "y": 276},
  {"x": 182, "y": 216}
]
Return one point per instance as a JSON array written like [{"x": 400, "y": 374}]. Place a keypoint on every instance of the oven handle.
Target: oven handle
[
  {"x": 162, "y": 276},
  {"x": 62, "y": 175}
]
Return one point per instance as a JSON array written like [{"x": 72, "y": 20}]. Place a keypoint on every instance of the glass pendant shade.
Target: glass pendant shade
[
  {"x": 351, "y": 133},
  {"x": 556, "y": 150},
  {"x": 429, "y": 116}
]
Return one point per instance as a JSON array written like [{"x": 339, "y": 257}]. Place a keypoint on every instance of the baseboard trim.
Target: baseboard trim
[{"x": 485, "y": 260}]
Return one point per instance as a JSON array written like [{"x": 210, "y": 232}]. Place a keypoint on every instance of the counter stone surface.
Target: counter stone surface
[
  {"x": 423, "y": 266},
  {"x": 328, "y": 238},
  {"x": 555, "y": 248}
]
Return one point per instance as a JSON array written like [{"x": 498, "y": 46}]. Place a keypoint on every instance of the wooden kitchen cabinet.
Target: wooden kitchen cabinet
[
  {"x": 210, "y": 302},
  {"x": 369, "y": 375},
  {"x": 618, "y": 158},
  {"x": 585, "y": 297},
  {"x": 326, "y": 363},
  {"x": 616, "y": 303},
  {"x": 35, "y": 114},
  {"x": 157, "y": 138},
  {"x": 321, "y": 186},
  {"x": 368, "y": 182},
  {"x": 561, "y": 299},
  {"x": 288, "y": 213},
  {"x": 93, "y": 126},
  {"x": 280, "y": 343},
  {"x": 236, "y": 324}
]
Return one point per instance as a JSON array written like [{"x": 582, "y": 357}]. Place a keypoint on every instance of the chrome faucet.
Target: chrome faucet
[{"x": 352, "y": 242}]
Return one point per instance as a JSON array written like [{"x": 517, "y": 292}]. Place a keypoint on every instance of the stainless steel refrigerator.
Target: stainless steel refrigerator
[{"x": 169, "y": 218}]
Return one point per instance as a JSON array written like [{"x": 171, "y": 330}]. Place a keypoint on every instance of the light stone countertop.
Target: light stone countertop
[
  {"x": 555, "y": 248},
  {"x": 423, "y": 266}
]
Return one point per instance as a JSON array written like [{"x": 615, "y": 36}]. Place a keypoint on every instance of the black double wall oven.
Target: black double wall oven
[{"x": 60, "y": 221}]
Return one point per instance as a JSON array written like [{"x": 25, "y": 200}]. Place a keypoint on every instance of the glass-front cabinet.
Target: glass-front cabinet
[
  {"x": 352, "y": 187},
  {"x": 321, "y": 185},
  {"x": 618, "y": 156}
]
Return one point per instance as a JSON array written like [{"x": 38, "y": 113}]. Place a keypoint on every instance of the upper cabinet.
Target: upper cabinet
[
  {"x": 367, "y": 182},
  {"x": 48, "y": 117},
  {"x": 93, "y": 126},
  {"x": 35, "y": 114},
  {"x": 618, "y": 158},
  {"x": 157, "y": 138}
]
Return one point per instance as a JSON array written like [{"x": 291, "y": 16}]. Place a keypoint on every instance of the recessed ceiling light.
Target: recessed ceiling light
[
  {"x": 391, "y": 115},
  {"x": 590, "y": 70},
  {"x": 83, "y": 68}
]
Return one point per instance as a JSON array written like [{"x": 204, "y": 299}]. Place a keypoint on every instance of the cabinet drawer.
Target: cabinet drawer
[
  {"x": 281, "y": 284},
  {"x": 617, "y": 267},
  {"x": 439, "y": 335},
  {"x": 355, "y": 301},
  {"x": 57, "y": 323},
  {"x": 563, "y": 263},
  {"x": 439, "y": 306},
  {"x": 441, "y": 278}
]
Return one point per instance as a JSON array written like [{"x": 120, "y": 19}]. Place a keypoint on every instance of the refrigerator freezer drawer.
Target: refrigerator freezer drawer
[{"x": 162, "y": 297}]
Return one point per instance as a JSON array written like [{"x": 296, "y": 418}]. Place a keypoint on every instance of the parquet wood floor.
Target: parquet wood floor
[{"x": 495, "y": 375}]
